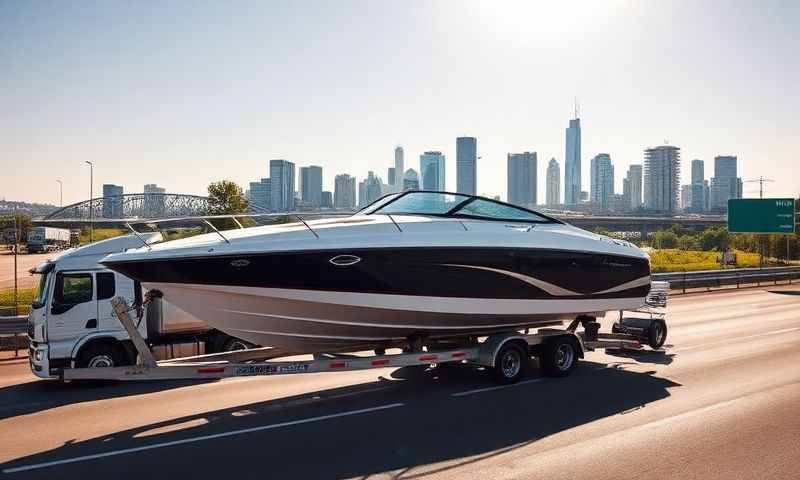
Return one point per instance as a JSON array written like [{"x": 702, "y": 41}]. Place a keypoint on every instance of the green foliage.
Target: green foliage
[
  {"x": 665, "y": 239},
  {"x": 671, "y": 260},
  {"x": 688, "y": 242},
  {"x": 226, "y": 198},
  {"x": 23, "y": 225},
  {"x": 25, "y": 297},
  {"x": 100, "y": 234},
  {"x": 715, "y": 239}
]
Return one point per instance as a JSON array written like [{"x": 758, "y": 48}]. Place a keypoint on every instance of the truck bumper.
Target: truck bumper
[{"x": 39, "y": 358}]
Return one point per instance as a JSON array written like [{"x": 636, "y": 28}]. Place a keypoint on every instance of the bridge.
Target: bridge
[{"x": 643, "y": 224}]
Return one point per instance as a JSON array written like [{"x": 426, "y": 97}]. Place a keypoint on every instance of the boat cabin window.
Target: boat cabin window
[
  {"x": 423, "y": 203},
  {"x": 488, "y": 209}
]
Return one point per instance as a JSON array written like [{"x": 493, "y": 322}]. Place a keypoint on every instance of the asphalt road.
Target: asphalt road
[
  {"x": 24, "y": 263},
  {"x": 723, "y": 401}
]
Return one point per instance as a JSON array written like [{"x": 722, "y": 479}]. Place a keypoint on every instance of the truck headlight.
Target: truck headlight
[{"x": 37, "y": 355}]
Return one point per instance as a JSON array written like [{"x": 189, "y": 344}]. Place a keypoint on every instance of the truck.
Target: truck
[
  {"x": 72, "y": 323},
  {"x": 47, "y": 239}
]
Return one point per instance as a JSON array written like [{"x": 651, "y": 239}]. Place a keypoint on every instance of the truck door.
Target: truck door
[
  {"x": 73, "y": 310},
  {"x": 110, "y": 285}
]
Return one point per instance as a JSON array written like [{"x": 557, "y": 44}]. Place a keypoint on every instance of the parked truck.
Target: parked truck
[
  {"x": 47, "y": 239},
  {"x": 72, "y": 324}
]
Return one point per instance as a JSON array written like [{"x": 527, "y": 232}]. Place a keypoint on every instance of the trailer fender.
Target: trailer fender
[{"x": 488, "y": 349}]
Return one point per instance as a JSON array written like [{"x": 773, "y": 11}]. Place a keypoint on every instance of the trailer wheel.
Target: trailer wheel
[
  {"x": 560, "y": 357},
  {"x": 657, "y": 334},
  {"x": 234, "y": 344},
  {"x": 510, "y": 363},
  {"x": 101, "y": 355}
]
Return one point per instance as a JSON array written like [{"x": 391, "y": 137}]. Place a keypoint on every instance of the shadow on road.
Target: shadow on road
[
  {"x": 432, "y": 426},
  {"x": 659, "y": 357}
]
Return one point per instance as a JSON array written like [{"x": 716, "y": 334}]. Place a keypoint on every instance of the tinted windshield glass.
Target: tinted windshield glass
[
  {"x": 430, "y": 203},
  {"x": 377, "y": 204},
  {"x": 41, "y": 291},
  {"x": 487, "y": 209}
]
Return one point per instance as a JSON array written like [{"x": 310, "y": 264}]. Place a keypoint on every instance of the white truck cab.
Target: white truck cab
[{"x": 71, "y": 322}]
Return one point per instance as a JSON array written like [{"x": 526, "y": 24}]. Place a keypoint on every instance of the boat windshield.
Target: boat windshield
[{"x": 452, "y": 205}]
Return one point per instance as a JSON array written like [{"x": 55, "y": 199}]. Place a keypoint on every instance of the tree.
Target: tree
[
  {"x": 226, "y": 198},
  {"x": 665, "y": 239},
  {"x": 687, "y": 242},
  {"x": 715, "y": 239}
]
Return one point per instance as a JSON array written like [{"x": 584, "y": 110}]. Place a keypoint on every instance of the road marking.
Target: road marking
[
  {"x": 154, "y": 446},
  {"x": 499, "y": 387},
  {"x": 736, "y": 339}
]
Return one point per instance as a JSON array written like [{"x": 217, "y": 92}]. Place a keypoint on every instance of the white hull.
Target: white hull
[{"x": 309, "y": 321}]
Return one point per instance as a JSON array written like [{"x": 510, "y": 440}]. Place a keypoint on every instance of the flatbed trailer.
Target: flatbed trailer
[{"x": 506, "y": 354}]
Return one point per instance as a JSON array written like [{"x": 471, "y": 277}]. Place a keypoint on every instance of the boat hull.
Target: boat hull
[{"x": 312, "y": 321}]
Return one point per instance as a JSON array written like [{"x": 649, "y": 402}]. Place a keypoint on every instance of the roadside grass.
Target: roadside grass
[
  {"x": 25, "y": 297},
  {"x": 100, "y": 234},
  {"x": 674, "y": 260}
]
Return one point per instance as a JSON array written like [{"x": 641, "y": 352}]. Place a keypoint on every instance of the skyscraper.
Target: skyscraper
[
  {"x": 553, "y": 185},
  {"x": 662, "y": 169},
  {"x": 281, "y": 175},
  {"x": 112, "y": 200},
  {"x": 725, "y": 184},
  {"x": 154, "y": 200},
  {"x": 344, "y": 192},
  {"x": 391, "y": 179},
  {"x": 260, "y": 196},
  {"x": 311, "y": 185},
  {"x": 327, "y": 200},
  {"x": 410, "y": 180},
  {"x": 572, "y": 163},
  {"x": 466, "y": 165},
  {"x": 698, "y": 203},
  {"x": 431, "y": 166},
  {"x": 399, "y": 168},
  {"x": 602, "y": 180},
  {"x": 634, "y": 183},
  {"x": 686, "y": 197},
  {"x": 370, "y": 189},
  {"x": 522, "y": 179}
]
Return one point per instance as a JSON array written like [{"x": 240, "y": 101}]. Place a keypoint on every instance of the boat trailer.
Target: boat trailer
[{"x": 505, "y": 354}]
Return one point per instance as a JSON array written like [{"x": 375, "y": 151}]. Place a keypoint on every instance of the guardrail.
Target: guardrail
[
  {"x": 710, "y": 279},
  {"x": 11, "y": 328}
]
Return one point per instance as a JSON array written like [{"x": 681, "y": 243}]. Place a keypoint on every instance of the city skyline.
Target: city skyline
[{"x": 136, "y": 98}]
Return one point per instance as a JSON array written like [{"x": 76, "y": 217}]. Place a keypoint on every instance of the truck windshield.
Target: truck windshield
[{"x": 41, "y": 290}]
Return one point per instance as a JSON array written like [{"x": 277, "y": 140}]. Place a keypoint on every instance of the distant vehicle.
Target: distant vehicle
[
  {"x": 47, "y": 239},
  {"x": 71, "y": 322}
]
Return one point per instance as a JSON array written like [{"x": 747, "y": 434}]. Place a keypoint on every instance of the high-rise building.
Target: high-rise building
[
  {"x": 391, "y": 179},
  {"x": 602, "y": 180},
  {"x": 281, "y": 175},
  {"x": 699, "y": 199},
  {"x": 410, "y": 180},
  {"x": 154, "y": 200},
  {"x": 522, "y": 179},
  {"x": 260, "y": 196},
  {"x": 553, "y": 184},
  {"x": 572, "y": 163},
  {"x": 370, "y": 189},
  {"x": 112, "y": 200},
  {"x": 311, "y": 185},
  {"x": 686, "y": 197},
  {"x": 633, "y": 181},
  {"x": 466, "y": 165},
  {"x": 344, "y": 192},
  {"x": 725, "y": 184},
  {"x": 327, "y": 200},
  {"x": 431, "y": 166},
  {"x": 662, "y": 171},
  {"x": 399, "y": 168}
]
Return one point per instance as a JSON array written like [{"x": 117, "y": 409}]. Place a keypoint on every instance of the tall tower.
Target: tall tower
[
  {"x": 602, "y": 180},
  {"x": 572, "y": 162},
  {"x": 431, "y": 167},
  {"x": 399, "y": 168},
  {"x": 662, "y": 173},
  {"x": 466, "y": 165},
  {"x": 553, "y": 183},
  {"x": 311, "y": 185},
  {"x": 281, "y": 175},
  {"x": 522, "y": 179}
]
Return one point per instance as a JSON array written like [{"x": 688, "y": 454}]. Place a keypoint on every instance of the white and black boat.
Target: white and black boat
[{"x": 413, "y": 265}]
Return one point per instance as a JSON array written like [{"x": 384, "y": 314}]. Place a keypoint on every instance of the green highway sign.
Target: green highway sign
[{"x": 761, "y": 215}]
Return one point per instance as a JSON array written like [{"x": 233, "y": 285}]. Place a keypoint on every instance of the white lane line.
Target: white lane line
[
  {"x": 735, "y": 339},
  {"x": 153, "y": 446},
  {"x": 498, "y": 387}
]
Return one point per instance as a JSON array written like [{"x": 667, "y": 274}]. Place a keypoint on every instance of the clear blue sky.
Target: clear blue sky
[{"x": 184, "y": 93}]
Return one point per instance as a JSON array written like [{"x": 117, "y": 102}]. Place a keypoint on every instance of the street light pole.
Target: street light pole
[
  {"x": 60, "y": 193},
  {"x": 91, "y": 201},
  {"x": 16, "y": 252}
]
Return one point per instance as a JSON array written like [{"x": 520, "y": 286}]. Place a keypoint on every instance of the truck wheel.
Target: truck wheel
[
  {"x": 233, "y": 344},
  {"x": 510, "y": 363},
  {"x": 560, "y": 357},
  {"x": 101, "y": 356},
  {"x": 657, "y": 334}
]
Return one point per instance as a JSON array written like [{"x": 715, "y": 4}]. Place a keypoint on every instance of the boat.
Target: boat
[{"x": 413, "y": 267}]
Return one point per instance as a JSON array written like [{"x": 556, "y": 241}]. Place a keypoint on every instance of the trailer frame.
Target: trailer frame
[{"x": 490, "y": 352}]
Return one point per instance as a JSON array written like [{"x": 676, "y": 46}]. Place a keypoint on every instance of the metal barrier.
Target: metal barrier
[
  {"x": 710, "y": 279},
  {"x": 13, "y": 327}
]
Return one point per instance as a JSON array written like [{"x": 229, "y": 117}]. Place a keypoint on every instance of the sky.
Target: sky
[{"x": 185, "y": 93}]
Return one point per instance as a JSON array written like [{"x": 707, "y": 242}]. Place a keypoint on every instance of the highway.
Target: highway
[{"x": 721, "y": 402}]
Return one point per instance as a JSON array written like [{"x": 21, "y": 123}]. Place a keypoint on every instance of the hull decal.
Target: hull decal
[
  {"x": 639, "y": 282},
  {"x": 554, "y": 290}
]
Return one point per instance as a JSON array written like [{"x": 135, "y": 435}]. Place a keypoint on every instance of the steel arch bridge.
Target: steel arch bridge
[{"x": 130, "y": 207}]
